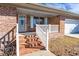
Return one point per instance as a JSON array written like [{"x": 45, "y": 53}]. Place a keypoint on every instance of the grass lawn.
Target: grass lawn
[{"x": 65, "y": 45}]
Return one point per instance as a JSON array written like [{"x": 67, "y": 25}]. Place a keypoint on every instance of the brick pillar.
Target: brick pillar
[
  {"x": 57, "y": 20},
  {"x": 28, "y": 22},
  {"x": 61, "y": 24},
  {"x": 26, "y": 27}
]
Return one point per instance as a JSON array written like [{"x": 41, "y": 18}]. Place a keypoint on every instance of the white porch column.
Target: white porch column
[
  {"x": 31, "y": 21},
  {"x": 45, "y": 20},
  {"x": 49, "y": 28}
]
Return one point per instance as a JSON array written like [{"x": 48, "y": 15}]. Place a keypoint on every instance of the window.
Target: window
[{"x": 38, "y": 20}]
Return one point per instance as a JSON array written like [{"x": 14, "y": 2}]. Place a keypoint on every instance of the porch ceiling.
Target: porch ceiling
[{"x": 35, "y": 12}]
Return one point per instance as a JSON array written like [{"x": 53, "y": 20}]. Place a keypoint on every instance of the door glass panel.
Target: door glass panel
[{"x": 21, "y": 23}]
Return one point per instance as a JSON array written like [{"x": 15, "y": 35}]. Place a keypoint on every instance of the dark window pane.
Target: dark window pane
[{"x": 22, "y": 22}]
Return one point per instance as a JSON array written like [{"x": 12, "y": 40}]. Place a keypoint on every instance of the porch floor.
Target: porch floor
[{"x": 28, "y": 33}]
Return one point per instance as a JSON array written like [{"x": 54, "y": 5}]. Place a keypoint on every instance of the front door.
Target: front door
[{"x": 21, "y": 21}]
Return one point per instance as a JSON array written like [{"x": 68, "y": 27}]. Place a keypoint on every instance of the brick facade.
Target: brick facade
[
  {"x": 53, "y": 20},
  {"x": 57, "y": 20},
  {"x": 61, "y": 24},
  {"x": 7, "y": 19}
]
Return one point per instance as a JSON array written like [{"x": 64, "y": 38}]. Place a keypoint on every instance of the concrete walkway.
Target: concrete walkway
[
  {"x": 73, "y": 35},
  {"x": 41, "y": 53}
]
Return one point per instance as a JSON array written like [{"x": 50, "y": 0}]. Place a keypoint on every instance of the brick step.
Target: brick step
[
  {"x": 33, "y": 44},
  {"x": 25, "y": 45},
  {"x": 33, "y": 41},
  {"x": 29, "y": 44}
]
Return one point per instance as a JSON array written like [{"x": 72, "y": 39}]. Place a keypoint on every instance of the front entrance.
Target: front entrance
[
  {"x": 29, "y": 24},
  {"x": 21, "y": 20}
]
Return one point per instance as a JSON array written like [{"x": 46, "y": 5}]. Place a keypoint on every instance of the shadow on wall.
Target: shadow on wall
[{"x": 75, "y": 30}]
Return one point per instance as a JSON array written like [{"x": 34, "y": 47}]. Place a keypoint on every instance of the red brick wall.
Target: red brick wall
[
  {"x": 53, "y": 20},
  {"x": 7, "y": 19},
  {"x": 62, "y": 24},
  {"x": 58, "y": 20}
]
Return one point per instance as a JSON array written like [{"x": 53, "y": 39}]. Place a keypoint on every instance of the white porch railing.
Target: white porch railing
[
  {"x": 43, "y": 32},
  {"x": 53, "y": 28}
]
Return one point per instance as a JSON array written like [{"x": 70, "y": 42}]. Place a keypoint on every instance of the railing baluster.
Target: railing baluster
[
  {"x": 4, "y": 38},
  {"x": 12, "y": 34},
  {"x": 8, "y": 38},
  {"x": 4, "y": 44}
]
